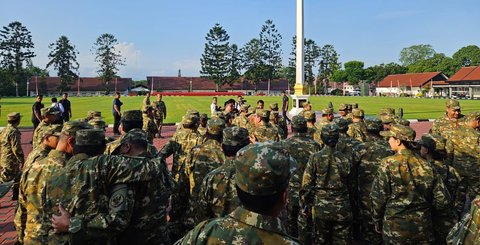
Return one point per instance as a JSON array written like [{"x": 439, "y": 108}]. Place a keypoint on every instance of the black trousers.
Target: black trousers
[{"x": 116, "y": 122}]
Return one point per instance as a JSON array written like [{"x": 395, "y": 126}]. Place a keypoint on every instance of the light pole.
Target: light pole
[{"x": 28, "y": 83}]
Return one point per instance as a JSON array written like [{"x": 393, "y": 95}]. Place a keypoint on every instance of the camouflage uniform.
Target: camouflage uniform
[
  {"x": 264, "y": 131},
  {"x": 358, "y": 130},
  {"x": 149, "y": 125},
  {"x": 300, "y": 147},
  {"x": 261, "y": 169},
  {"x": 148, "y": 224},
  {"x": 463, "y": 151},
  {"x": 160, "y": 112},
  {"x": 445, "y": 125},
  {"x": 12, "y": 157},
  {"x": 38, "y": 133},
  {"x": 146, "y": 101},
  {"x": 94, "y": 191},
  {"x": 404, "y": 193},
  {"x": 42, "y": 150},
  {"x": 274, "y": 117},
  {"x": 311, "y": 129},
  {"x": 326, "y": 192},
  {"x": 467, "y": 232},
  {"x": 32, "y": 219},
  {"x": 282, "y": 123}
]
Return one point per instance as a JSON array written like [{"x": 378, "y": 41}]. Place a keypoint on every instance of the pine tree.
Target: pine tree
[
  {"x": 328, "y": 65},
  {"x": 214, "y": 61},
  {"x": 107, "y": 57},
  {"x": 252, "y": 58},
  {"x": 234, "y": 65},
  {"x": 63, "y": 58},
  {"x": 271, "y": 43}
]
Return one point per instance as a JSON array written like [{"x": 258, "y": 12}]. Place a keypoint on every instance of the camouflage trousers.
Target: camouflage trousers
[
  {"x": 368, "y": 233},
  {"x": 331, "y": 232},
  {"x": 293, "y": 211},
  {"x": 305, "y": 229},
  {"x": 11, "y": 171},
  {"x": 180, "y": 197}
]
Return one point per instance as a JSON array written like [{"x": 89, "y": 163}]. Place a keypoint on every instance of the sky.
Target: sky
[{"x": 159, "y": 37}]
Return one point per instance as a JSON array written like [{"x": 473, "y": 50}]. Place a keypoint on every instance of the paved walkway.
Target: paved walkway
[{"x": 8, "y": 234}]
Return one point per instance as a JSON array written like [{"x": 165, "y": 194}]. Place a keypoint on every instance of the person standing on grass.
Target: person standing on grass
[
  {"x": 117, "y": 113},
  {"x": 36, "y": 114},
  {"x": 285, "y": 106},
  {"x": 67, "y": 108}
]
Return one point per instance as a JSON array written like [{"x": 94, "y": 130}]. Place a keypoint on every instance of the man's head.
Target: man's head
[
  {"x": 148, "y": 110},
  {"x": 134, "y": 142},
  {"x": 215, "y": 127},
  {"x": 327, "y": 113},
  {"x": 299, "y": 124},
  {"x": 260, "y": 104},
  {"x": 54, "y": 100},
  {"x": 203, "y": 119},
  {"x": 66, "y": 142},
  {"x": 399, "y": 135},
  {"x": 130, "y": 119},
  {"x": 39, "y": 98},
  {"x": 472, "y": 120},
  {"x": 190, "y": 121},
  {"x": 262, "y": 177},
  {"x": 307, "y": 106},
  {"x": 432, "y": 145},
  {"x": 117, "y": 95},
  {"x": 374, "y": 125},
  {"x": 386, "y": 111},
  {"x": 229, "y": 105},
  {"x": 453, "y": 109},
  {"x": 50, "y": 114},
  {"x": 387, "y": 121},
  {"x": 65, "y": 96},
  {"x": 159, "y": 96},
  {"x": 262, "y": 115},
  {"x": 234, "y": 139},
  {"x": 98, "y": 123},
  {"x": 147, "y": 94},
  {"x": 309, "y": 116},
  {"x": 330, "y": 134},
  {"x": 51, "y": 135},
  {"x": 274, "y": 117},
  {"x": 342, "y": 110},
  {"x": 342, "y": 125},
  {"x": 283, "y": 93},
  {"x": 357, "y": 115},
  {"x": 90, "y": 142},
  {"x": 14, "y": 118},
  {"x": 214, "y": 100},
  {"x": 244, "y": 108},
  {"x": 274, "y": 106}
]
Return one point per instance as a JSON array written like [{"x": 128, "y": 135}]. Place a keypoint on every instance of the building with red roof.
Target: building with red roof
[
  {"x": 84, "y": 86},
  {"x": 411, "y": 83},
  {"x": 464, "y": 83}
]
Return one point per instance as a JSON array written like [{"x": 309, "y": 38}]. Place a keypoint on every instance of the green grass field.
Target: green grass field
[{"x": 414, "y": 108}]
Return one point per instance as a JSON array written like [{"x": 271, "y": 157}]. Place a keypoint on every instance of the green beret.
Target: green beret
[
  {"x": 263, "y": 168},
  {"x": 400, "y": 132},
  {"x": 234, "y": 136},
  {"x": 90, "y": 137}
]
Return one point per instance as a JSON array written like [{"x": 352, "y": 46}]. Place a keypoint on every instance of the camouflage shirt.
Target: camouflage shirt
[
  {"x": 404, "y": 193},
  {"x": 38, "y": 134},
  {"x": 239, "y": 227},
  {"x": 444, "y": 126},
  {"x": 358, "y": 131},
  {"x": 160, "y": 110},
  {"x": 149, "y": 127},
  {"x": 241, "y": 121},
  {"x": 11, "y": 153},
  {"x": 36, "y": 154},
  {"x": 265, "y": 132}
]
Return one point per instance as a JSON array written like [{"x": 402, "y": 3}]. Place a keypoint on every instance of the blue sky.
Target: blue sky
[{"x": 158, "y": 37}]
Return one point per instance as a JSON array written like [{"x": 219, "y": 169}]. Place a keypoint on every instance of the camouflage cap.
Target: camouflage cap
[
  {"x": 374, "y": 124},
  {"x": 12, "y": 116},
  {"x": 433, "y": 142},
  {"x": 386, "y": 119},
  {"x": 192, "y": 112},
  {"x": 251, "y": 110},
  {"x": 263, "y": 168},
  {"x": 341, "y": 123},
  {"x": 71, "y": 127},
  {"x": 309, "y": 115},
  {"x": 472, "y": 116},
  {"x": 97, "y": 123},
  {"x": 327, "y": 111},
  {"x": 203, "y": 116},
  {"x": 190, "y": 119},
  {"x": 453, "y": 104},
  {"x": 262, "y": 113},
  {"x": 330, "y": 131},
  {"x": 215, "y": 126},
  {"x": 94, "y": 113},
  {"x": 400, "y": 132},
  {"x": 349, "y": 107},
  {"x": 90, "y": 137},
  {"x": 132, "y": 115},
  {"x": 306, "y": 103},
  {"x": 134, "y": 134},
  {"x": 299, "y": 122},
  {"x": 358, "y": 112},
  {"x": 274, "y": 114},
  {"x": 342, "y": 107},
  {"x": 234, "y": 136},
  {"x": 245, "y": 107},
  {"x": 274, "y": 106},
  {"x": 49, "y": 111},
  {"x": 386, "y": 111},
  {"x": 52, "y": 129},
  {"x": 402, "y": 121}
]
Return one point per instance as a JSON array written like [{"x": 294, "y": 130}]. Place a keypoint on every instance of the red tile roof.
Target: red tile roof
[
  {"x": 86, "y": 84},
  {"x": 411, "y": 79},
  {"x": 199, "y": 83},
  {"x": 471, "y": 73}
]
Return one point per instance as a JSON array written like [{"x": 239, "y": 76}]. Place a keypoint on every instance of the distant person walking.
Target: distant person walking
[
  {"x": 213, "y": 106},
  {"x": 159, "y": 113},
  {"x": 58, "y": 107},
  {"x": 117, "y": 113},
  {"x": 146, "y": 100},
  {"x": 67, "y": 107},
  {"x": 36, "y": 114},
  {"x": 285, "y": 106}
]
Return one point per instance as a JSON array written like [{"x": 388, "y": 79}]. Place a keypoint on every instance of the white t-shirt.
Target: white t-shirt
[
  {"x": 59, "y": 106},
  {"x": 213, "y": 108}
]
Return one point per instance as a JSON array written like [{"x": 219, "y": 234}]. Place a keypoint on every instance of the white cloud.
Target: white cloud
[{"x": 129, "y": 52}]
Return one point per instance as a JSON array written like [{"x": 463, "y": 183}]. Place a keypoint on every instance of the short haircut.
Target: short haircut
[
  {"x": 260, "y": 101},
  {"x": 54, "y": 100},
  {"x": 117, "y": 93},
  {"x": 128, "y": 125},
  {"x": 300, "y": 130},
  {"x": 39, "y": 96},
  {"x": 259, "y": 204},
  {"x": 65, "y": 93}
]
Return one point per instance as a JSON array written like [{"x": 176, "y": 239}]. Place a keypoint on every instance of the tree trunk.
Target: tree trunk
[{"x": 268, "y": 86}]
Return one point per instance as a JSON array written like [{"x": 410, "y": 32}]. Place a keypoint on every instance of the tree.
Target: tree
[
  {"x": 377, "y": 73},
  {"x": 328, "y": 64},
  {"x": 339, "y": 76},
  {"x": 63, "y": 57},
  {"x": 271, "y": 42},
  {"x": 439, "y": 62},
  {"x": 416, "y": 53},
  {"x": 252, "y": 58},
  {"x": 467, "y": 56},
  {"x": 108, "y": 58},
  {"x": 311, "y": 52},
  {"x": 354, "y": 71},
  {"x": 214, "y": 59},
  {"x": 16, "y": 49},
  {"x": 234, "y": 65}
]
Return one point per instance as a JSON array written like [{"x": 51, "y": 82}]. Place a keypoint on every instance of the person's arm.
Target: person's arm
[
  {"x": 35, "y": 111},
  {"x": 70, "y": 109},
  {"x": 379, "y": 195},
  {"x": 164, "y": 110},
  {"x": 116, "y": 107},
  {"x": 17, "y": 147}
]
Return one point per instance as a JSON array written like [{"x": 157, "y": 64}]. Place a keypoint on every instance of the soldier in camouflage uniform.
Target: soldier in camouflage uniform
[
  {"x": 326, "y": 191},
  {"x": 242, "y": 119},
  {"x": 453, "y": 119},
  {"x": 11, "y": 158},
  {"x": 148, "y": 123},
  {"x": 405, "y": 192},
  {"x": 263, "y": 131},
  {"x": 146, "y": 100},
  {"x": 274, "y": 121},
  {"x": 344, "y": 112},
  {"x": 282, "y": 123},
  {"x": 463, "y": 152},
  {"x": 32, "y": 220},
  {"x": 50, "y": 140},
  {"x": 148, "y": 223},
  {"x": 180, "y": 146},
  {"x": 160, "y": 113},
  {"x": 202, "y": 125},
  {"x": 307, "y": 106},
  {"x": 374, "y": 126},
  {"x": 300, "y": 146},
  {"x": 467, "y": 232},
  {"x": 262, "y": 177},
  {"x": 432, "y": 149},
  {"x": 357, "y": 129},
  {"x": 93, "y": 114},
  {"x": 327, "y": 118},
  {"x": 91, "y": 191},
  {"x": 311, "y": 129},
  {"x": 217, "y": 195},
  {"x": 49, "y": 114},
  {"x": 373, "y": 153}
]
